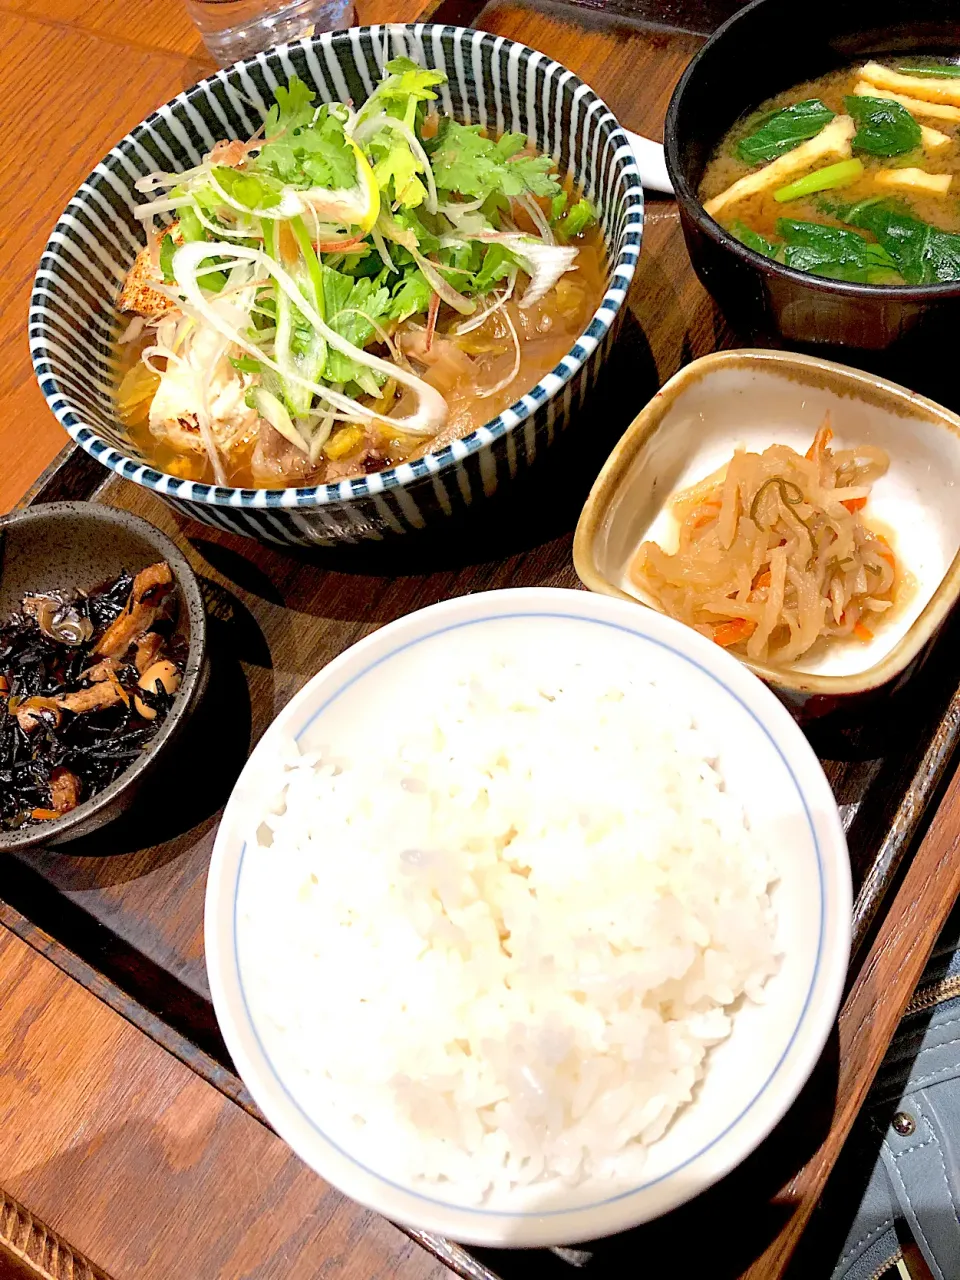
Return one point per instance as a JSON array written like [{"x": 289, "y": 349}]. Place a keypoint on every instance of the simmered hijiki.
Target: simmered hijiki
[
  {"x": 774, "y": 554},
  {"x": 852, "y": 176},
  {"x": 348, "y": 289},
  {"x": 86, "y": 680}
]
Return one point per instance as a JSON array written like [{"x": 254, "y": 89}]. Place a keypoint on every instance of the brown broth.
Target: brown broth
[
  {"x": 546, "y": 333},
  {"x": 760, "y": 212}
]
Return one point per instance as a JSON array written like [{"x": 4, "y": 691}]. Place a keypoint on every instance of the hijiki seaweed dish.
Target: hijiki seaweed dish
[{"x": 86, "y": 680}]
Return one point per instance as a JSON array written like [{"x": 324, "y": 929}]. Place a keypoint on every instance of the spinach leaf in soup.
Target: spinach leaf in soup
[
  {"x": 884, "y": 127},
  {"x": 923, "y": 254},
  {"x": 783, "y": 130},
  {"x": 753, "y": 240},
  {"x": 835, "y": 253}
]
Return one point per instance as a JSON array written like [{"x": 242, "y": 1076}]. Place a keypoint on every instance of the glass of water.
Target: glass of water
[{"x": 234, "y": 29}]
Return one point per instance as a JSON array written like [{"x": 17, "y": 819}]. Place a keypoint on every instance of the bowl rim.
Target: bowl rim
[
  {"x": 693, "y": 207},
  {"x": 621, "y": 271},
  {"x": 565, "y": 1225},
  {"x": 194, "y": 668},
  {"x": 647, "y": 423}
]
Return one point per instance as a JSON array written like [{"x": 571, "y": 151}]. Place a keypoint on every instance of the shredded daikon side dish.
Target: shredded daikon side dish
[{"x": 774, "y": 554}]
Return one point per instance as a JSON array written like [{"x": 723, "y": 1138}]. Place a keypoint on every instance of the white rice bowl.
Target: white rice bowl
[{"x": 530, "y": 918}]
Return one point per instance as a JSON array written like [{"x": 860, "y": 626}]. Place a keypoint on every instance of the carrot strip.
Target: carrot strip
[
  {"x": 862, "y": 633},
  {"x": 820, "y": 440},
  {"x": 707, "y": 511},
  {"x": 432, "y": 314},
  {"x": 888, "y": 553},
  {"x": 339, "y": 246},
  {"x": 762, "y": 580},
  {"x": 728, "y": 633},
  {"x": 854, "y": 504},
  {"x": 45, "y": 814}
]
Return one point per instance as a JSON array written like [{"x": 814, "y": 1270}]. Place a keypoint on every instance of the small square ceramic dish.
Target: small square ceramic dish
[{"x": 757, "y": 398}]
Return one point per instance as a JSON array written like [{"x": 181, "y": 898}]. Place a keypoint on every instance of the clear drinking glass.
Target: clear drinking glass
[{"x": 233, "y": 29}]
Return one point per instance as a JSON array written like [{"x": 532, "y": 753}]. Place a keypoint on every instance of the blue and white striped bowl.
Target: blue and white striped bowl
[{"x": 492, "y": 81}]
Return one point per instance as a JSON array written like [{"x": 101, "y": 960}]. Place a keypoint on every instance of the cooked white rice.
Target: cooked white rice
[{"x": 501, "y": 949}]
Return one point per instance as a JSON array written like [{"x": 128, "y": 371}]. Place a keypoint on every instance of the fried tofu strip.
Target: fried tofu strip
[
  {"x": 915, "y": 180},
  {"x": 833, "y": 141},
  {"x": 149, "y": 587},
  {"x": 98, "y": 696},
  {"x": 932, "y": 140},
  {"x": 930, "y": 89},
  {"x": 916, "y": 106}
]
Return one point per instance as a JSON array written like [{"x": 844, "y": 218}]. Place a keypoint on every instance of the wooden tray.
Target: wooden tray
[{"x": 123, "y": 912}]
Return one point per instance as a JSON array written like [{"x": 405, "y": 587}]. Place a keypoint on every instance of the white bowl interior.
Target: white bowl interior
[
  {"x": 755, "y": 405},
  {"x": 386, "y": 682}
]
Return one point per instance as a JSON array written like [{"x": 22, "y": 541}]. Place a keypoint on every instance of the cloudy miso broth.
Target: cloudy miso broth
[{"x": 852, "y": 175}]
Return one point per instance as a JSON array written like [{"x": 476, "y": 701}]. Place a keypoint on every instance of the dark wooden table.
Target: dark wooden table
[{"x": 108, "y": 1139}]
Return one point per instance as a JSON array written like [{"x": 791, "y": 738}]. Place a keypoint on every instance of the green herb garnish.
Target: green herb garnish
[
  {"x": 306, "y": 145},
  {"x": 576, "y": 220},
  {"x": 465, "y": 161},
  {"x": 831, "y": 177}
]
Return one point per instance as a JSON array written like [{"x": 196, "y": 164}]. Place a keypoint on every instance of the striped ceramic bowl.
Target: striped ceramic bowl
[{"x": 492, "y": 81}]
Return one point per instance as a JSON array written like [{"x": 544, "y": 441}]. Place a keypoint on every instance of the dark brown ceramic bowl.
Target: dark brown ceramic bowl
[
  {"x": 765, "y": 48},
  {"x": 65, "y": 545}
]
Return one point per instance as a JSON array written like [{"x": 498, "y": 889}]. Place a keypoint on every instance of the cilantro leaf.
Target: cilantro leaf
[
  {"x": 427, "y": 240},
  {"x": 465, "y": 161},
  {"x": 350, "y": 305},
  {"x": 465, "y": 260},
  {"x": 410, "y": 297},
  {"x": 405, "y": 79},
  {"x": 576, "y": 221},
  {"x": 498, "y": 262},
  {"x": 306, "y": 145},
  {"x": 400, "y": 166},
  {"x": 293, "y": 107}
]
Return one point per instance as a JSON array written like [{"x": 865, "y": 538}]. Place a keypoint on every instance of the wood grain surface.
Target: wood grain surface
[
  {"x": 108, "y": 1138},
  {"x": 150, "y": 1171}
]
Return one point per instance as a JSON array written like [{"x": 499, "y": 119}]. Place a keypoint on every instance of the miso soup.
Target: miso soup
[{"x": 853, "y": 176}]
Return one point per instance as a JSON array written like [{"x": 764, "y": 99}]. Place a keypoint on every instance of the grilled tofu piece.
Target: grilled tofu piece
[{"x": 139, "y": 293}]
